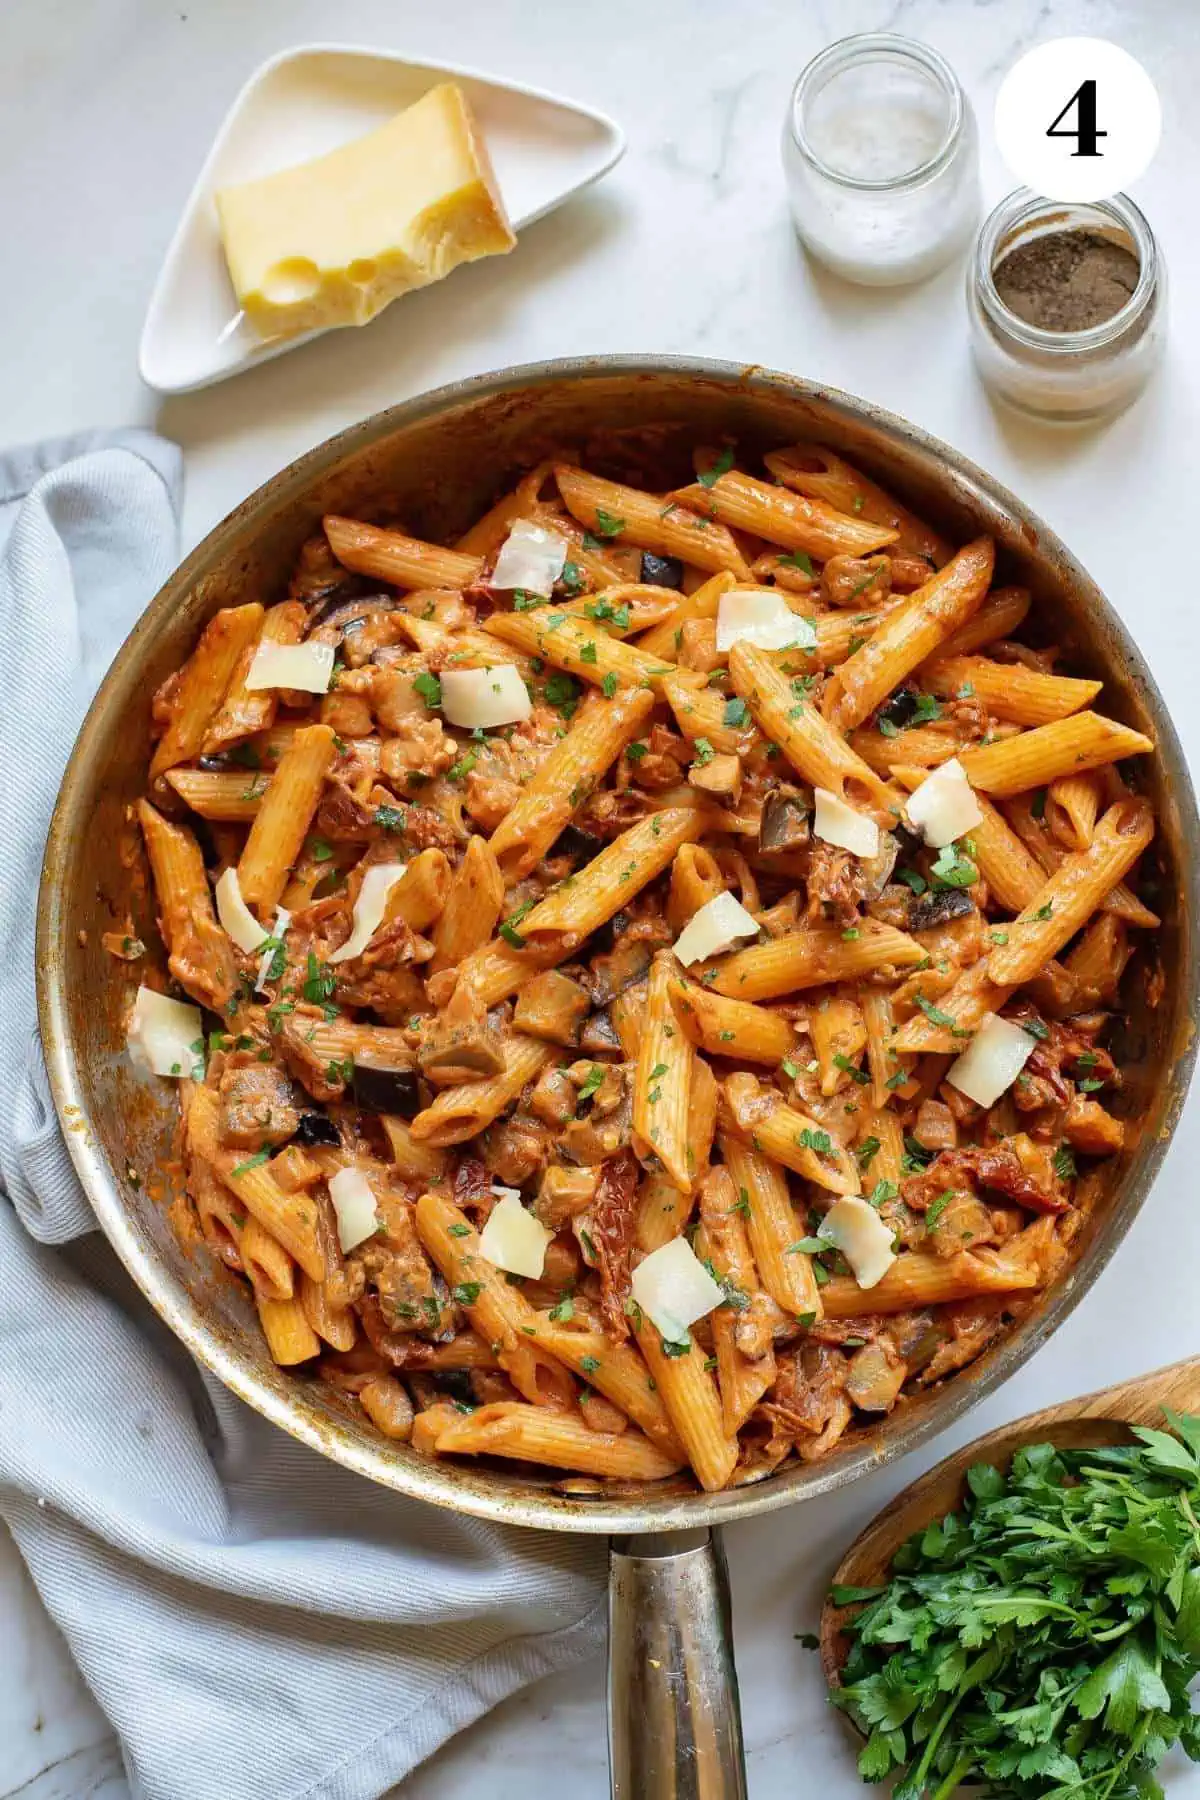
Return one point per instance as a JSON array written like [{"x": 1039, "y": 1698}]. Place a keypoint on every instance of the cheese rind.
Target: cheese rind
[{"x": 333, "y": 241}]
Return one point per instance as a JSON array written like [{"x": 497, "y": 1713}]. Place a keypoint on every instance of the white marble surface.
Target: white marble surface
[{"x": 106, "y": 108}]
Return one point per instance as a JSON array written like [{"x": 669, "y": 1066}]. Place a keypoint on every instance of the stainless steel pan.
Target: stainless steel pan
[{"x": 438, "y": 461}]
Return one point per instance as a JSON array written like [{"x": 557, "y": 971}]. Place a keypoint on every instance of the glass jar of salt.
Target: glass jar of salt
[
  {"x": 1067, "y": 304},
  {"x": 881, "y": 159}
]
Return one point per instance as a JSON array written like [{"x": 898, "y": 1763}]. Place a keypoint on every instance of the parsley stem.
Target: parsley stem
[{"x": 954, "y": 1777}]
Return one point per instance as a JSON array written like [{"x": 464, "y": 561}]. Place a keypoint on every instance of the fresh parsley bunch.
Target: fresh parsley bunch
[{"x": 1039, "y": 1642}]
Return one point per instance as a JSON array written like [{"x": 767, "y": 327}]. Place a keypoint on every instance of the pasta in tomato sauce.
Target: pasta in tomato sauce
[{"x": 648, "y": 966}]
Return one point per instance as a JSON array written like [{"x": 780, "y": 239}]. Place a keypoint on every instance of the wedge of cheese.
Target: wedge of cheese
[{"x": 331, "y": 242}]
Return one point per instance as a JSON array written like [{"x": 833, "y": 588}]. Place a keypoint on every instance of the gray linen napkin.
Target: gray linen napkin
[{"x": 255, "y": 1621}]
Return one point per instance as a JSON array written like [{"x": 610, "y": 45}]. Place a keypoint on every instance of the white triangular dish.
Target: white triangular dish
[{"x": 302, "y": 103}]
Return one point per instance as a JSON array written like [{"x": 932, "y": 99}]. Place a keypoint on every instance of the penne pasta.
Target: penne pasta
[
  {"x": 567, "y": 777},
  {"x": 557, "y": 636},
  {"x": 283, "y": 818},
  {"x": 909, "y": 635},
  {"x": 404, "y": 561},
  {"x": 629, "y": 516},
  {"x": 662, "y": 1080},
  {"x": 1067, "y": 747},
  {"x": 1009, "y": 690},
  {"x": 609, "y": 881},
  {"x": 788, "y": 718},
  {"x": 202, "y": 683},
  {"x": 200, "y": 956},
  {"x": 789, "y": 1137},
  {"x": 290, "y": 1337},
  {"x": 614, "y": 1370},
  {"x": 820, "y": 474},
  {"x": 500, "y": 1315},
  {"x": 919, "y": 1278},
  {"x": 781, "y": 517},
  {"x": 773, "y": 1228},
  {"x": 474, "y": 901},
  {"x": 464, "y": 1111},
  {"x": 1072, "y": 894},
  {"x": 733, "y": 1028},
  {"x": 531, "y": 1434},
  {"x": 811, "y": 957},
  {"x": 693, "y": 1404}
]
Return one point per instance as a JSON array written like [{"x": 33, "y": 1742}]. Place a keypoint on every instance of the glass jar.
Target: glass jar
[
  {"x": 881, "y": 159},
  {"x": 1071, "y": 376}
]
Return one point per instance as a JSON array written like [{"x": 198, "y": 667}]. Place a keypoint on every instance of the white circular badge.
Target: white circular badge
[{"x": 1078, "y": 119}]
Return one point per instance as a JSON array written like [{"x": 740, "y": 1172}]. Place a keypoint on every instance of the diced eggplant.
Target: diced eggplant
[
  {"x": 606, "y": 935},
  {"x": 899, "y": 710},
  {"x": 661, "y": 571},
  {"x": 599, "y": 1035},
  {"x": 784, "y": 824},
  {"x": 341, "y": 613},
  {"x": 875, "y": 1377},
  {"x": 455, "y": 1384},
  {"x": 938, "y": 907},
  {"x": 579, "y": 845},
  {"x": 628, "y": 962},
  {"x": 386, "y": 1090},
  {"x": 878, "y": 868},
  {"x": 317, "y": 1128}
]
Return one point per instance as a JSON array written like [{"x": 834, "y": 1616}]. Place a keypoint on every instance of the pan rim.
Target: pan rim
[{"x": 481, "y": 1494}]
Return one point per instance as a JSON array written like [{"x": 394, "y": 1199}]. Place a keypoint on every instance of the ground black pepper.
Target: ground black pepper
[{"x": 1066, "y": 280}]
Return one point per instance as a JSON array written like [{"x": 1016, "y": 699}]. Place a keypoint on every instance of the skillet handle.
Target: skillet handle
[{"x": 674, "y": 1723}]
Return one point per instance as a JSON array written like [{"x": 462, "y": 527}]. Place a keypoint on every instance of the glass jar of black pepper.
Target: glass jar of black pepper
[{"x": 1067, "y": 304}]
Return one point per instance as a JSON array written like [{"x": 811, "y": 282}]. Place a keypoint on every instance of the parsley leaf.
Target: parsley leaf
[{"x": 709, "y": 477}]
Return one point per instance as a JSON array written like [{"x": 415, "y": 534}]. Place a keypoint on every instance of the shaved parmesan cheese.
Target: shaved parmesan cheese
[
  {"x": 747, "y": 617},
  {"x": 992, "y": 1060},
  {"x": 674, "y": 1289},
  {"x": 512, "y": 1238},
  {"x": 283, "y": 919},
  {"x": 944, "y": 806},
  {"x": 354, "y": 1203},
  {"x": 531, "y": 558},
  {"x": 840, "y": 824},
  {"x": 478, "y": 699},
  {"x": 165, "y": 1037},
  {"x": 854, "y": 1227},
  {"x": 369, "y": 909},
  {"x": 304, "y": 666},
  {"x": 236, "y": 916},
  {"x": 717, "y": 926}
]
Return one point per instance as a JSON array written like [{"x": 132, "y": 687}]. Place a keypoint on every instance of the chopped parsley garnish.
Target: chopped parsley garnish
[
  {"x": 609, "y": 685},
  {"x": 1064, "y": 1162},
  {"x": 912, "y": 878},
  {"x": 820, "y": 1141},
  {"x": 390, "y": 818},
  {"x": 704, "y": 751},
  {"x": 851, "y": 1069},
  {"x": 429, "y": 688},
  {"x": 319, "y": 981},
  {"x": 710, "y": 476},
  {"x": 952, "y": 870},
  {"x": 252, "y": 1162},
  {"x": 797, "y": 559},
  {"x": 607, "y": 525},
  {"x": 467, "y": 1292},
  {"x": 459, "y": 1230},
  {"x": 736, "y": 712},
  {"x": 933, "y": 1013},
  {"x": 592, "y": 1081},
  {"x": 1035, "y": 1028},
  {"x": 882, "y": 1192},
  {"x": 635, "y": 751},
  {"x": 564, "y": 1311},
  {"x": 937, "y": 1207},
  {"x": 1044, "y": 912},
  {"x": 562, "y": 693},
  {"x": 508, "y": 927},
  {"x": 587, "y": 653}
]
